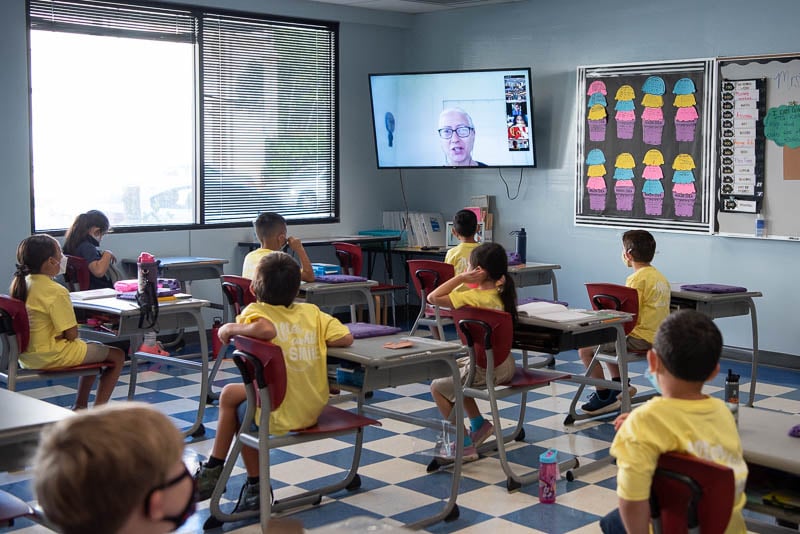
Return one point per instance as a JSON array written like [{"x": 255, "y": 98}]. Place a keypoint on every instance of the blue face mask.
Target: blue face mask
[{"x": 652, "y": 379}]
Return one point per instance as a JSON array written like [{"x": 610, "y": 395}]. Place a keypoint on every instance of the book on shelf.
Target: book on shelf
[{"x": 552, "y": 311}]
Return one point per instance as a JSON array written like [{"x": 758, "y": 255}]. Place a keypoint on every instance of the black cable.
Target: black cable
[
  {"x": 519, "y": 185},
  {"x": 405, "y": 202}
]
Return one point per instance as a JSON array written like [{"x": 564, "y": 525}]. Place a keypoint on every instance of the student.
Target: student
[
  {"x": 685, "y": 354},
  {"x": 83, "y": 240},
  {"x": 117, "y": 470},
  {"x": 303, "y": 332},
  {"x": 638, "y": 249},
  {"x": 271, "y": 233},
  {"x": 465, "y": 225},
  {"x": 494, "y": 288},
  {"x": 54, "y": 338}
]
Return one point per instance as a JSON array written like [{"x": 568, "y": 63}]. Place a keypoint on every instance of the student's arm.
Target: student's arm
[
  {"x": 307, "y": 274},
  {"x": 70, "y": 333},
  {"x": 260, "y": 328},
  {"x": 344, "y": 341},
  {"x": 99, "y": 268},
  {"x": 635, "y": 516},
  {"x": 441, "y": 295}
]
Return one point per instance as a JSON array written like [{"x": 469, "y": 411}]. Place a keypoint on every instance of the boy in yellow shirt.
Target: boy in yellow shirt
[
  {"x": 271, "y": 232},
  {"x": 465, "y": 224},
  {"x": 303, "y": 333},
  {"x": 685, "y": 354},
  {"x": 638, "y": 249}
]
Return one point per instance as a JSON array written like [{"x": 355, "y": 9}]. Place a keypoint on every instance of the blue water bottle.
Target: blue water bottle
[{"x": 522, "y": 243}]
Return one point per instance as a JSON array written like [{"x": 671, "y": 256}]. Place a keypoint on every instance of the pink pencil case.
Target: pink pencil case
[{"x": 126, "y": 286}]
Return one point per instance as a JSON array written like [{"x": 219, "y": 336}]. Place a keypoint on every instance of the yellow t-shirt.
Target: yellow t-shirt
[
  {"x": 477, "y": 298},
  {"x": 458, "y": 256},
  {"x": 303, "y": 331},
  {"x": 654, "y": 297},
  {"x": 251, "y": 262},
  {"x": 703, "y": 428},
  {"x": 50, "y": 313}
]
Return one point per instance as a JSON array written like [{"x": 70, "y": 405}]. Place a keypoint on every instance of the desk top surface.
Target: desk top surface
[
  {"x": 327, "y": 286},
  {"x": 26, "y": 415},
  {"x": 183, "y": 261},
  {"x": 327, "y": 240},
  {"x": 697, "y": 295},
  {"x": 117, "y": 306},
  {"x": 533, "y": 266},
  {"x": 582, "y": 325},
  {"x": 766, "y": 441},
  {"x": 371, "y": 352}
]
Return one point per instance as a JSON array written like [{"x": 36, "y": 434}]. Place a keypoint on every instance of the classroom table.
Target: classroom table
[
  {"x": 183, "y": 268},
  {"x": 720, "y": 305},
  {"x": 345, "y": 294},
  {"x": 384, "y": 368},
  {"x": 535, "y": 274},
  {"x": 766, "y": 444},
  {"x": 175, "y": 315}
]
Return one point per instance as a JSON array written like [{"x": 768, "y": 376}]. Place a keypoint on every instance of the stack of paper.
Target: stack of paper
[
  {"x": 551, "y": 311},
  {"x": 91, "y": 294}
]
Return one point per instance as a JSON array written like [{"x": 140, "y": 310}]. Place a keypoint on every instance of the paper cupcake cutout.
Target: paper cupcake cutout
[
  {"x": 683, "y": 190},
  {"x": 596, "y": 184},
  {"x": 597, "y": 98},
  {"x": 625, "y": 116},
  {"x": 686, "y": 116},
  {"x": 653, "y": 116},
  {"x": 653, "y": 190},
  {"x": 597, "y": 119},
  {"x": 623, "y": 182},
  {"x": 597, "y": 86}
]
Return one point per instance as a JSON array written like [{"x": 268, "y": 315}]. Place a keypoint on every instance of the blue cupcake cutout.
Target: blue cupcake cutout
[
  {"x": 684, "y": 86},
  {"x": 623, "y": 174},
  {"x": 653, "y": 187},
  {"x": 683, "y": 177},
  {"x": 654, "y": 85},
  {"x": 624, "y": 105},
  {"x": 595, "y": 157},
  {"x": 597, "y": 98}
]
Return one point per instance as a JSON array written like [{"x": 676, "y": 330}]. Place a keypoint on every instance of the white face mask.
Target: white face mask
[
  {"x": 625, "y": 261},
  {"x": 62, "y": 265}
]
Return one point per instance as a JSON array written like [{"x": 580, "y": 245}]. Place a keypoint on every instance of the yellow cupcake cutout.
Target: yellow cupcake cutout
[
  {"x": 625, "y": 161},
  {"x": 597, "y": 112},
  {"x": 683, "y": 162},
  {"x": 652, "y": 101},
  {"x": 625, "y": 93},
  {"x": 596, "y": 170},
  {"x": 684, "y": 101},
  {"x": 653, "y": 157}
]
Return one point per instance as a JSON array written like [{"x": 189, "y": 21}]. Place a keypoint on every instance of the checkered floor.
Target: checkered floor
[{"x": 395, "y": 486}]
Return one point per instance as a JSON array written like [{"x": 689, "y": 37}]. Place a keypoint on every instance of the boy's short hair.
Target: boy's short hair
[
  {"x": 268, "y": 224},
  {"x": 277, "y": 279},
  {"x": 640, "y": 244},
  {"x": 95, "y": 468},
  {"x": 465, "y": 223},
  {"x": 689, "y": 345}
]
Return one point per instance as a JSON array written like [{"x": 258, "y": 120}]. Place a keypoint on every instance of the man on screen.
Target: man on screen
[{"x": 457, "y": 136}]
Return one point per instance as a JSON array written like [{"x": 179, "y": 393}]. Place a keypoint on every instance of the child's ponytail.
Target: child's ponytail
[
  {"x": 19, "y": 288},
  {"x": 508, "y": 294}
]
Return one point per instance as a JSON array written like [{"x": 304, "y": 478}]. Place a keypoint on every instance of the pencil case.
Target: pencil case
[{"x": 713, "y": 288}]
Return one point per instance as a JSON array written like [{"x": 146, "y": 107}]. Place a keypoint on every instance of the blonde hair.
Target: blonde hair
[{"x": 94, "y": 469}]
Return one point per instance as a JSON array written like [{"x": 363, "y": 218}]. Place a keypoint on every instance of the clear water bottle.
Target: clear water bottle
[
  {"x": 732, "y": 394},
  {"x": 548, "y": 475}
]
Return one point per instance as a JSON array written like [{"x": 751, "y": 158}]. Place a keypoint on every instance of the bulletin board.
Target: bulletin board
[
  {"x": 646, "y": 136},
  {"x": 776, "y": 142}
]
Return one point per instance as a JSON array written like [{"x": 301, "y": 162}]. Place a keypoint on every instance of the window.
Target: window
[{"x": 178, "y": 117}]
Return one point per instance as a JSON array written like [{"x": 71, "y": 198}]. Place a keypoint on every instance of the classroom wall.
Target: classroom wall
[{"x": 554, "y": 38}]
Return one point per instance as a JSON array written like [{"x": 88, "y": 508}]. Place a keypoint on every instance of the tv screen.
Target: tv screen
[{"x": 480, "y": 118}]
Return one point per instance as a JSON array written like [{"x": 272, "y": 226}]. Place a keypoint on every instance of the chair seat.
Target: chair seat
[
  {"x": 385, "y": 288},
  {"x": 64, "y": 370},
  {"x": 430, "y": 311},
  {"x": 333, "y": 419},
  {"x": 529, "y": 378}
]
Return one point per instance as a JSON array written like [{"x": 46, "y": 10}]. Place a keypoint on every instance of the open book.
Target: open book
[
  {"x": 91, "y": 294},
  {"x": 551, "y": 311}
]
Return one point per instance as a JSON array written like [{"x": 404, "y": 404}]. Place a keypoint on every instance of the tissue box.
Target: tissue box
[{"x": 321, "y": 269}]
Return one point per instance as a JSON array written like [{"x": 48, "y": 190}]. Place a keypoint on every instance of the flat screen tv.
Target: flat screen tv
[{"x": 476, "y": 118}]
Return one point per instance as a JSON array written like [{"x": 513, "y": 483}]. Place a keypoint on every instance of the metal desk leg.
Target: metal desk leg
[
  {"x": 554, "y": 284},
  {"x": 754, "y": 370}
]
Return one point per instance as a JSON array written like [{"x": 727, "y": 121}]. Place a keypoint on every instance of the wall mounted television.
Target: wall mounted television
[{"x": 454, "y": 119}]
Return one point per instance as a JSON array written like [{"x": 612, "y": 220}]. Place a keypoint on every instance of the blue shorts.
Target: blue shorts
[{"x": 240, "y": 411}]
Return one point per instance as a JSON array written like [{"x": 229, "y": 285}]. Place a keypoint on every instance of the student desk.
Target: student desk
[
  {"x": 535, "y": 274},
  {"x": 21, "y": 421},
  {"x": 174, "y": 315},
  {"x": 183, "y": 268},
  {"x": 766, "y": 444},
  {"x": 719, "y": 305},
  {"x": 384, "y": 368},
  {"x": 345, "y": 294}
]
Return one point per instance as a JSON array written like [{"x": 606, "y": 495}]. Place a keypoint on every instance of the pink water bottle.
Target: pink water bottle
[
  {"x": 147, "y": 269},
  {"x": 548, "y": 475}
]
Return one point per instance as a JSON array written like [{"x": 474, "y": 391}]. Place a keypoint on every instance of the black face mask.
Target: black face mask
[{"x": 188, "y": 510}]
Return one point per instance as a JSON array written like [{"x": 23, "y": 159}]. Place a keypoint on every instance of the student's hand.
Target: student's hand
[
  {"x": 619, "y": 420},
  {"x": 111, "y": 254},
  {"x": 295, "y": 244},
  {"x": 474, "y": 276},
  {"x": 225, "y": 333}
]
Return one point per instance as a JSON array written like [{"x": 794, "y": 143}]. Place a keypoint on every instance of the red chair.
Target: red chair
[
  {"x": 690, "y": 494},
  {"x": 14, "y": 337},
  {"x": 427, "y": 275},
  {"x": 351, "y": 259},
  {"x": 488, "y": 335},
  {"x": 264, "y": 373},
  {"x": 77, "y": 274}
]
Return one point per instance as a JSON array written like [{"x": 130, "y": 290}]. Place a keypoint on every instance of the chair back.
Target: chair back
[
  {"x": 77, "y": 274},
  {"x": 350, "y": 257},
  {"x": 427, "y": 275},
  {"x": 482, "y": 330},
  {"x": 261, "y": 362},
  {"x": 237, "y": 292},
  {"x": 605, "y": 296},
  {"x": 14, "y": 322},
  {"x": 691, "y": 493}
]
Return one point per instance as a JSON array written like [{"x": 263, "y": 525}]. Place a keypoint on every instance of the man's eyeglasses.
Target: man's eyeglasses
[{"x": 461, "y": 131}]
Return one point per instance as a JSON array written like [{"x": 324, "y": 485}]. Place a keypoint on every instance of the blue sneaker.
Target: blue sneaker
[{"x": 598, "y": 405}]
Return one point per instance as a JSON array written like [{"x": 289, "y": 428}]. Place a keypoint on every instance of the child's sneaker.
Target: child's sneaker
[
  {"x": 598, "y": 405},
  {"x": 480, "y": 435},
  {"x": 153, "y": 349},
  {"x": 248, "y": 498},
  {"x": 206, "y": 478},
  {"x": 470, "y": 454}
]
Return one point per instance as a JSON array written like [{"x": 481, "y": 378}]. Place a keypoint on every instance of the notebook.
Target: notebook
[
  {"x": 91, "y": 294},
  {"x": 551, "y": 311}
]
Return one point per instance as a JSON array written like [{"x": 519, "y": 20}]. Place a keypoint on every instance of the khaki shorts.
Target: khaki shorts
[
  {"x": 502, "y": 373},
  {"x": 632, "y": 344},
  {"x": 95, "y": 352}
]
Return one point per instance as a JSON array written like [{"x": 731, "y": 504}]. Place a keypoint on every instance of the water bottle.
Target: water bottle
[
  {"x": 521, "y": 244},
  {"x": 147, "y": 269},
  {"x": 761, "y": 225},
  {"x": 732, "y": 394},
  {"x": 149, "y": 339},
  {"x": 548, "y": 474},
  {"x": 216, "y": 342}
]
